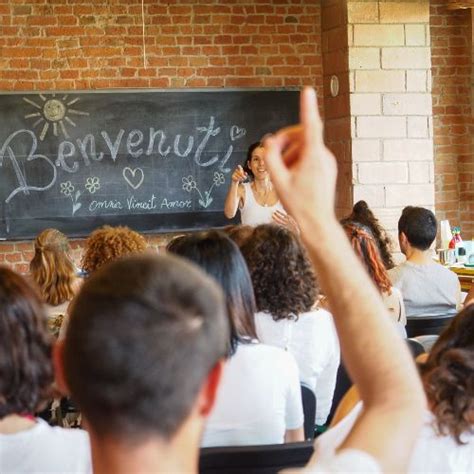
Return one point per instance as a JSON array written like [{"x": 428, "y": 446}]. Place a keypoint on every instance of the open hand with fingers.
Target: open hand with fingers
[{"x": 285, "y": 220}]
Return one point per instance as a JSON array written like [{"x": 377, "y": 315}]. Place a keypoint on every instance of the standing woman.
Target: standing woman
[{"x": 252, "y": 192}]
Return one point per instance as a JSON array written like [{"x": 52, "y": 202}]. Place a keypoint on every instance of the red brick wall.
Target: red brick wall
[
  {"x": 453, "y": 124},
  {"x": 80, "y": 44}
]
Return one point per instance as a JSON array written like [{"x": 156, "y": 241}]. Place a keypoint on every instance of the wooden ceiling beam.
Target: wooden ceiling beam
[{"x": 458, "y": 4}]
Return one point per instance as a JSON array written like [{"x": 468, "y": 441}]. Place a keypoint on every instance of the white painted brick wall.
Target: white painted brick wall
[
  {"x": 400, "y": 195},
  {"x": 366, "y": 150},
  {"x": 382, "y": 173},
  {"x": 406, "y": 58},
  {"x": 364, "y": 58},
  {"x": 379, "y": 35},
  {"x": 417, "y": 127},
  {"x": 380, "y": 81},
  {"x": 381, "y": 127},
  {"x": 366, "y": 104},
  {"x": 408, "y": 150},
  {"x": 407, "y": 104}
]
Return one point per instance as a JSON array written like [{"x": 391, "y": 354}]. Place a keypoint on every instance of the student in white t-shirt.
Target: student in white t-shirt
[
  {"x": 259, "y": 398},
  {"x": 446, "y": 441},
  {"x": 28, "y": 444},
  {"x": 286, "y": 291}
]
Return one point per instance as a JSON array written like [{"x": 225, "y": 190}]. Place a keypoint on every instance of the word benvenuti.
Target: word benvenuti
[{"x": 94, "y": 148}]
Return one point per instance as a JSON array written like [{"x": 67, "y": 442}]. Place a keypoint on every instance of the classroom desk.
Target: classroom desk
[{"x": 465, "y": 275}]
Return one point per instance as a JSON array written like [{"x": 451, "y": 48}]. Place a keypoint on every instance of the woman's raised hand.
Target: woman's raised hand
[{"x": 239, "y": 175}]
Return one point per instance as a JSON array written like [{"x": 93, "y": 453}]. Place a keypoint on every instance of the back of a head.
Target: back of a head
[
  {"x": 240, "y": 234},
  {"x": 26, "y": 371},
  {"x": 220, "y": 258},
  {"x": 110, "y": 243},
  {"x": 52, "y": 267},
  {"x": 419, "y": 226},
  {"x": 367, "y": 250},
  {"x": 362, "y": 214},
  {"x": 144, "y": 333},
  {"x": 448, "y": 376},
  {"x": 282, "y": 275}
]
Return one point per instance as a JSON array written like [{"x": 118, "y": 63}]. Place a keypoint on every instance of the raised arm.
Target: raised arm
[
  {"x": 235, "y": 194},
  {"x": 303, "y": 172}
]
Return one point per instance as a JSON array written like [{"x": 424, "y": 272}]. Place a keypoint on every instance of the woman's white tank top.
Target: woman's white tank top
[{"x": 252, "y": 213}]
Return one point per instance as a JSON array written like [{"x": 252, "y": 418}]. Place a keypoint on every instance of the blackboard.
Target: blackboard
[{"x": 155, "y": 160}]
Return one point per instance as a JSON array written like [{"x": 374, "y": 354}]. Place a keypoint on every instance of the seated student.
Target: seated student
[
  {"x": 29, "y": 444},
  {"x": 104, "y": 245},
  {"x": 446, "y": 442},
  {"x": 142, "y": 358},
  {"x": 428, "y": 288},
  {"x": 366, "y": 249},
  {"x": 362, "y": 214},
  {"x": 109, "y": 243},
  {"x": 286, "y": 292},
  {"x": 259, "y": 400},
  {"x": 54, "y": 272}
]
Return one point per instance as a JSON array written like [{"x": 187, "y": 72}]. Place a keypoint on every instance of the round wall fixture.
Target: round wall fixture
[{"x": 334, "y": 86}]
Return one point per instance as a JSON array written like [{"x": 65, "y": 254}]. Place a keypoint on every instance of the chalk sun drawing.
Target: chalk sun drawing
[
  {"x": 189, "y": 184},
  {"x": 134, "y": 178},
  {"x": 52, "y": 112}
]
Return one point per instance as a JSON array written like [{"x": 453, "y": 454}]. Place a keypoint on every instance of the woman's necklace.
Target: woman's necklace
[{"x": 262, "y": 197}]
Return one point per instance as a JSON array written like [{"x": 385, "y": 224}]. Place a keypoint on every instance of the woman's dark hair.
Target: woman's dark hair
[
  {"x": 220, "y": 258},
  {"x": 239, "y": 233},
  {"x": 448, "y": 377},
  {"x": 283, "y": 278},
  {"x": 26, "y": 370},
  {"x": 362, "y": 214},
  {"x": 366, "y": 248},
  {"x": 250, "y": 150}
]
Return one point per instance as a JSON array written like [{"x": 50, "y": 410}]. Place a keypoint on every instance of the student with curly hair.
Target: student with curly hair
[
  {"x": 286, "y": 292},
  {"x": 105, "y": 245},
  {"x": 259, "y": 400},
  {"x": 109, "y": 243},
  {"x": 446, "y": 442},
  {"x": 29, "y": 444},
  {"x": 365, "y": 247},
  {"x": 54, "y": 272},
  {"x": 362, "y": 214}
]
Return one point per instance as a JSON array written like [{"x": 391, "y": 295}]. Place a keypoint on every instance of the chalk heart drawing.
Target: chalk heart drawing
[
  {"x": 236, "y": 132},
  {"x": 133, "y": 177}
]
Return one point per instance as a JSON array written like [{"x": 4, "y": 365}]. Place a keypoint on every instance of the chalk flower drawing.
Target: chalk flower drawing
[
  {"x": 92, "y": 184},
  {"x": 52, "y": 112},
  {"x": 67, "y": 188},
  {"x": 218, "y": 178},
  {"x": 189, "y": 184},
  {"x": 205, "y": 200}
]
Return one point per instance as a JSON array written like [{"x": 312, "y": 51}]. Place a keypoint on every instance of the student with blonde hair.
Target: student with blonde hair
[{"x": 54, "y": 272}]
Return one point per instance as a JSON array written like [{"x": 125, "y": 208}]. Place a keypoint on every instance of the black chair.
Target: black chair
[
  {"x": 343, "y": 384},
  {"x": 309, "y": 410},
  {"x": 416, "y": 348},
  {"x": 421, "y": 325},
  {"x": 268, "y": 459}
]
